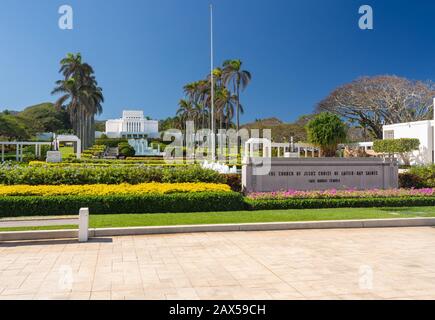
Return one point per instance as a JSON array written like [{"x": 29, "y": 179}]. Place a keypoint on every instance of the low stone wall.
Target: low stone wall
[{"x": 319, "y": 174}]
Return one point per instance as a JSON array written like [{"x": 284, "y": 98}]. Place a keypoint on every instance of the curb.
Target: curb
[{"x": 273, "y": 226}]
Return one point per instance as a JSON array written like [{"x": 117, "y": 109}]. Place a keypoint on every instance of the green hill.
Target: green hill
[
  {"x": 281, "y": 131},
  {"x": 43, "y": 117}
]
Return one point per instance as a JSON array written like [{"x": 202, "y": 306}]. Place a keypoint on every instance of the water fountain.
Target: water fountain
[
  {"x": 219, "y": 167},
  {"x": 142, "y": 148}
]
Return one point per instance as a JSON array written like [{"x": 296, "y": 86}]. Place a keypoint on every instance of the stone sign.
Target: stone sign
[
  {"x": 320, "y": 174},
  {"x": 54, "y": 156}
]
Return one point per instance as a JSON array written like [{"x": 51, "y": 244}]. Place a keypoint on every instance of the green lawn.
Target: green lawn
[{"x": 136, "y": 220}]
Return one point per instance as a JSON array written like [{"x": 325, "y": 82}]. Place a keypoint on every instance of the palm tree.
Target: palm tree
[
  {"x": 225, "y": 103},
  {"x": 82, "y": 95},
  {"x": 197, "y": 94},
  {"x": 185, "y": 110},
  {"x": 239, "y": 79}
]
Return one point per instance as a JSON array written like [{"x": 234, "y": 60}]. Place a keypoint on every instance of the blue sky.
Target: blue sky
[{"x": 144, "y": 51}]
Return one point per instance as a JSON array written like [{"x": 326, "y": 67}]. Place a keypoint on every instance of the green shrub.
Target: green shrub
[
  {"x": 339, "y": 203},
  {"x": 411, "y": 181},
  {"x": 426, "y": 174},
  {"x": 54, "y": 175},
  {"x": 126, "y": 149},
  {"x": 192, "y": 174},
  {"x": 234, "y": 181},
  {"x": 149, "y": 203}
]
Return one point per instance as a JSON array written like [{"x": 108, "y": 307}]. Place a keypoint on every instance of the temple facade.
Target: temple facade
[{"x": 132, "y": 125}]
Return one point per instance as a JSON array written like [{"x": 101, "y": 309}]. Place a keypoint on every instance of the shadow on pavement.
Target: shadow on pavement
[{"x": 51, "y": 242}]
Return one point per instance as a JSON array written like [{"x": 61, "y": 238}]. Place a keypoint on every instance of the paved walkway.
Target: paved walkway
[{"x": 305, "y": 264}]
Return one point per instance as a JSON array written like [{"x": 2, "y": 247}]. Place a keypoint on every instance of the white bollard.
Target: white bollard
[{"x": 83, "y": 224}]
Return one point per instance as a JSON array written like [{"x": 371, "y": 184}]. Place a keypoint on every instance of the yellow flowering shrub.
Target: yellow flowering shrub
[{"x": 104, "y": 189}]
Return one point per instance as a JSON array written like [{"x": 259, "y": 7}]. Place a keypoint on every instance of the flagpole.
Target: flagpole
[{"x": 213, "y": 142}]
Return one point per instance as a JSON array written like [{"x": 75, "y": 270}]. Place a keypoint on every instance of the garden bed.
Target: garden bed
[
  {"x": 340, "y": 199},
  {"x": 306, "y": 203}
]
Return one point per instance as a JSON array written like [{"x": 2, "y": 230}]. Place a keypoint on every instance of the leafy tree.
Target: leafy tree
[
  {"x": 373, "y": 102},
  {"x": 403, "y": 147},
  {"x": 326, "y": 131}
]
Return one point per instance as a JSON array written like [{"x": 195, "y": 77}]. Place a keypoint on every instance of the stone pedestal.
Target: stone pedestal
[{"x": 53, "y": 157}]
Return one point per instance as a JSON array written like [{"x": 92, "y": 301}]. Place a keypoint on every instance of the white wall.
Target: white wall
[
  {"x": 421, "y": 130},
  {"x": 151, "y": 127},
  {"x": 113, "y": 128}
]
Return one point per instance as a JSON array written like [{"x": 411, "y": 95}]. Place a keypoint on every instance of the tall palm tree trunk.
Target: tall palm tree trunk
[{"x": 239, "y": 142}]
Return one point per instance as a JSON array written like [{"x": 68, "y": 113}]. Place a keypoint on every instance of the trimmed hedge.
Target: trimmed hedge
[
  {"x": 149, "y": 203},
  {"x": 46, "y": 175},
  {"x": 184, "y": 202},
  {"x": 339, "y": 203},
  {"x": 112, "y": 143}
]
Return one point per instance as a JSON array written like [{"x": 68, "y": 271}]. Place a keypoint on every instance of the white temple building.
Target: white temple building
[
  {"x": 421, "y": 130},
  {"x": 132, "y": 125}
]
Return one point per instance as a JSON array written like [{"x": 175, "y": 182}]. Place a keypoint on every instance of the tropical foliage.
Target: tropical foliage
[
  {"x": 80, "y": 96},
  {"x": 228, "y": 82}
]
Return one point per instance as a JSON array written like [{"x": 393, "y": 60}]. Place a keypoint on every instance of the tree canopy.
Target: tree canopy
[
  {"x": 403, "y": 147},
  {"x": 372, "y": 102},
  {"x": 326, "y": 130}
]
